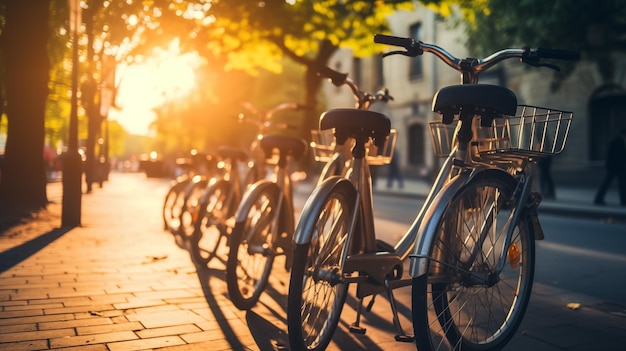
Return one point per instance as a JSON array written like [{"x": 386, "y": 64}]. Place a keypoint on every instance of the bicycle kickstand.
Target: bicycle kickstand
[
  {"x": 401, "y": 336},
  {"x": 356, "y": 326}
]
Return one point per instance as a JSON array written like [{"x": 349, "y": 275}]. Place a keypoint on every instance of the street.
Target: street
[{"x": 583, "y": 259}]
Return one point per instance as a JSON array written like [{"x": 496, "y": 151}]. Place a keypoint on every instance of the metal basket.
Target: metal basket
[
  {"x": 442, "y": 137},
  {"x": 323, "y": 145},
  {"x": 532, "y": 132}
]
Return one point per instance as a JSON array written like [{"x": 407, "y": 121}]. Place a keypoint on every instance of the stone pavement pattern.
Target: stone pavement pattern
[{"x": 119, "y": 282}]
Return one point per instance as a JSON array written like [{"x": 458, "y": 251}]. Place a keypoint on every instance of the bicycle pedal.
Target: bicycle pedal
[
  {"x": 405, "y": 338},
  {"x": 355, "y": 329}
]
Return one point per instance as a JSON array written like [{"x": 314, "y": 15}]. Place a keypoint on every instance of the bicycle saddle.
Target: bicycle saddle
[
  {"x": 485, "y": 100},
  {"x": 352, "y": 122},
  {"x": 293, "y": 146},
  {"x": 232, "y": 152}
]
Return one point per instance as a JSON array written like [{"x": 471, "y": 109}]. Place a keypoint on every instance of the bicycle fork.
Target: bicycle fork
[{"x": 524, "y": 204}]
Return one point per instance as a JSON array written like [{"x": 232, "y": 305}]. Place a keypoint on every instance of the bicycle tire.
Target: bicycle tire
[
  {"x": 450, "y": 310},
  {"x": 252, "y": 249},
  {"x": 190, "y": 211},
  {"x": 312, "y": 323},
  {"x": 209, "y": 229},
  {"x": 172, "y": 205}
]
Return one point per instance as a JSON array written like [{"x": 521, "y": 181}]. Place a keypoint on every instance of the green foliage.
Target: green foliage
[
  {"x": 242, "y": 29},
  {"x": 595, "y": 28}
]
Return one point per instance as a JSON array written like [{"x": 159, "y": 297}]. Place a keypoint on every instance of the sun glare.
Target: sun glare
[{"x": 166, "y": 76}]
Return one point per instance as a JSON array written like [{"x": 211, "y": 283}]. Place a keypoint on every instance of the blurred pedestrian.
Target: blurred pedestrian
[
  {"x": 394, "y": 172},
  {"x": 546, "y": 183},
  {"x": 615, "y": 168}
]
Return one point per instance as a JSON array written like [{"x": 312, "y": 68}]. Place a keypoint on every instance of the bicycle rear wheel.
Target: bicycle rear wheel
[
  {"x": 252, "y": 250},
  {"x": 211, "y": 225},
  {"x": 317, "y": 291},
  {"x": 463, "y": 303}
]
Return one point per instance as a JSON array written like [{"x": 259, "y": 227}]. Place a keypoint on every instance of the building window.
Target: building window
[
  {"x": 416, "y": 69},
  {"x": 416, "y": 145}
]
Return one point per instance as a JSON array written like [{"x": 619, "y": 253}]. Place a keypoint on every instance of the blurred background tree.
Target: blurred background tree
[{"x": 595, "y": 28}]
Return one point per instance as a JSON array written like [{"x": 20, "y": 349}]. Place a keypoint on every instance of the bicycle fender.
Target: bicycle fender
[
  {"x": 251, "y": 194},
  {"x": 312, "y": 206},
  {"x": 418, "y": 265}
]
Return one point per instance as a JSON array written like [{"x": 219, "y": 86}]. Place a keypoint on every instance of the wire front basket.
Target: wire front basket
[
  {"x": 532, "y": 132},
  {"x": 323, "y": 145}
]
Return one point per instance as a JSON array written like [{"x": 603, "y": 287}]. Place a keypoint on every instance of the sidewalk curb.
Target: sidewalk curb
[{"x": 610, "y": 214}]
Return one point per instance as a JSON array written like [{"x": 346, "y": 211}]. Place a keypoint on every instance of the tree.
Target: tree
[
  {"x": 26, "y": 68},
  {"x": 309, "y": 32},
  {"x": 595, "y": 28}
]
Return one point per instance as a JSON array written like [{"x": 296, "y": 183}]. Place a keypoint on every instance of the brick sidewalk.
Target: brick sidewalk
[{"x": 119, "y": 282}]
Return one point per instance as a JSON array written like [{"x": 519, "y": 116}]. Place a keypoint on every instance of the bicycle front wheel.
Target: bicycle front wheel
[
  {"x": 464, "y": 302},
  {"x": 191, "y": 208},
  {"x": 211, "y": 224},
  {"x": 173, "y": 204},
  {"x": 252, "y": 250},
  {"x": 317, "y": 290}
]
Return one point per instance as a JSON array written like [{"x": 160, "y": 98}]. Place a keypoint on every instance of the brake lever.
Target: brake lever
[
  {"x": 548, "y": 65},
  {"x": 396, "y": 52}
]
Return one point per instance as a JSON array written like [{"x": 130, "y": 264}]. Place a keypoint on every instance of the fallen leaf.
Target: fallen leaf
[{"x": 573, "y": 305}]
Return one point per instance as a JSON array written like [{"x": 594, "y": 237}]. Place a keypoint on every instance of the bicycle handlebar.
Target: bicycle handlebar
[
  {"x": 531, "y": 56},
  {"x": 362, "y": 98},
  {"x": 263, "y": 119}
]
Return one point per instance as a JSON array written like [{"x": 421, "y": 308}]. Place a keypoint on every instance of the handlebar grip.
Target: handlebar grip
[
  {"x": 392, "y": 40},
  {"x": 559, "y": 54},
  {"x": 337, "y": 78}
]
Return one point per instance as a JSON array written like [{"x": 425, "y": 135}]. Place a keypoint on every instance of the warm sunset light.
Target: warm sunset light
[{"x": 144, "y": 85}]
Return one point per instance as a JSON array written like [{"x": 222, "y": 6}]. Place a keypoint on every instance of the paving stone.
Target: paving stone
[
  {"x": 165, "y": 331},
  {"x": 143, "y": 344},
  {"x": 74, "y": 323},
  {"x": 36, "y": 335},
  {"x": 78, "y": 309},
  {"x": 16, "y": 328},
  {"x": 108, "y": 328},
  {"x": 29, "y": 345},
  {"x": 92, "y": 339},
  {"x": 36, "y": 319},
  {"x": 166, "y": 318},
  {"x": 33, "y": 307}
]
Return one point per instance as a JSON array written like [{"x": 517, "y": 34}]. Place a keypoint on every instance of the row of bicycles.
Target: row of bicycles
[{"x": 470, "y": 250}]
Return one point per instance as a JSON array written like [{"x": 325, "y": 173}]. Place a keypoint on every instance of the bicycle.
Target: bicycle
[
  {"x": 213, "y": 217},
  {"x": 479, "y": 219},
  {"x": 194, "y": 168},
  {"x": 264, "y": 224},
  {"x": 336, "y": 157},
  {"x": 265, "y": 218}
]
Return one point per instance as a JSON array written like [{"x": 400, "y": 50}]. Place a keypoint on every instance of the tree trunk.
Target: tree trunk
[
  {"x": 26, "y": 69},
  {"x": 313, "y": 83}
]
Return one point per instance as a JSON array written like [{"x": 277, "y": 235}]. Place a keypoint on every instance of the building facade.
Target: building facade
[{"x": 599, "y": 105}]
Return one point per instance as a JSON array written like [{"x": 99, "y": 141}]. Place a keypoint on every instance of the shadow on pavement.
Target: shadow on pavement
[
  {"x": 205, "y": 275},
  {"x": 17, "y": 254}
]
